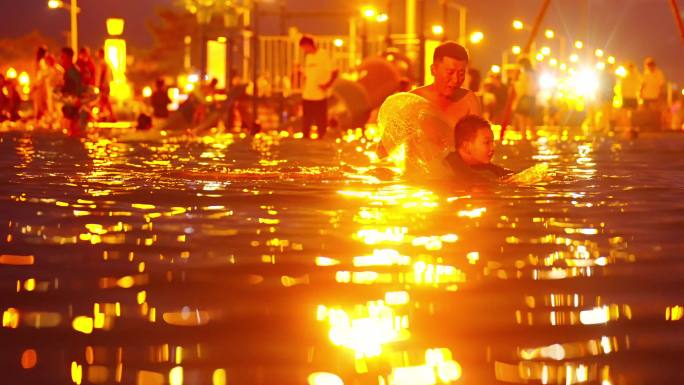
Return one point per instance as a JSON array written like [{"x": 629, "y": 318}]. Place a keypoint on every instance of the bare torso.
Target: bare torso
[{"x": 463, "y": 102}]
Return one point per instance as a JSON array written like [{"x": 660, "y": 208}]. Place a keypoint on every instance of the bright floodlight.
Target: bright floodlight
[
  {"x": 381, "y": 18},
  {"x": 599, "y": 52},
  {"x": 549, "y": 34},
  {"x": 585, "y": 82},
  {"x": 54, "y": 4},
  {"x": 516, "y": 49},
  {"x": 574, "y": 58},
  {"x": 546, "y": 51},
  {"x": 496, "y": 69},
  {"x": 518, "y": 25},
  {"x": 611, "y": 59},
  {"x": 338, "y": 42},
  {"x": 579, "y": 44},
  {"x": 547, "y": 81}
]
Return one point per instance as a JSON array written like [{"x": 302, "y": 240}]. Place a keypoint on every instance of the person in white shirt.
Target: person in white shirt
[
  {"x": 319, "y": 76},
  {"x": 653, "y": 88},
  {"x": 653, "y": 83}
]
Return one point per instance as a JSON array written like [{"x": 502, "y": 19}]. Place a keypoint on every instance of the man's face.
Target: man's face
[
  {"x": 481, "y": 149},
  {"x": 449, "y": 75}
]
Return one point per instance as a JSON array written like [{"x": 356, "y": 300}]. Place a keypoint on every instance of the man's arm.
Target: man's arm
[{"x": 333, "y": 77}]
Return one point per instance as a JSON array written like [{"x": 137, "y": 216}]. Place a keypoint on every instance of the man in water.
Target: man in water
[
  {"x": 471, "y": 163},
  {"x": 446, "y": 93}
]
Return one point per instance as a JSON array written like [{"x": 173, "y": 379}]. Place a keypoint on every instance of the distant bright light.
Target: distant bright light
[
  {"x": 516, "y": 49},
  {"x": 600, "y": 66},
  {"x": 518, "y": 25},
  {"x": 682, "y": 91},
  {"x": 11, "y": 73},
  {"x": 368, "y": 12},
  {"x": 381, "y": 18},
  {"x": 115, "y": 26},
  {"x": 338, "y": 42},
  {"x": 147, "y": 92},
  {"x": 611, "y": 59},
  {"x": 193, "y": 78},
  {"x": 563, "y": 66},
  {"x": 437, "y": 29},
  {"x": 579, "y": 44},
  {"x": 553, "y": 62},
  {"x": 54, "y": 4},
  {"x": 496, "y": 69},
  {"x": 540, "y": 56},
  {"x": 547, "y": 81},
  {"x": 621, "y": 71},
  {"x": 599, "y": 52},
  {"x": 549, "y": 34},
  {"x": 574, "y": 58},
  {"x": 222, "y": 39},
  {"x": 585, "y": 82},
  {"x": 476, "y": 37},
  {"x": 24, "y": 79},
  {"x": 546, "y": 51}
]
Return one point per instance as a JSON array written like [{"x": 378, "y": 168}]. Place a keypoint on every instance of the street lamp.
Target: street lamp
[
  {"x": 437, "y": 30},
  {"x": 73, "y": 9},
  {"x": 462, "y": 19},
  {"x": 476, "y": 37},
  {"x": 518, "y": 25}
]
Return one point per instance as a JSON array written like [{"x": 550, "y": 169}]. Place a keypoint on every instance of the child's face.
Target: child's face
[{"x": 481, "y": 149}]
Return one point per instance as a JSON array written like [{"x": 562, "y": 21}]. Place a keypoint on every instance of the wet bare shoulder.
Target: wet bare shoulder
[{"x": 422, "y": 91}]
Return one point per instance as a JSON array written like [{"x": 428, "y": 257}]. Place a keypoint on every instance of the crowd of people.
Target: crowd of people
[
  {"x": 627, "y": 99},
  {"x": 62, "y": 88}
]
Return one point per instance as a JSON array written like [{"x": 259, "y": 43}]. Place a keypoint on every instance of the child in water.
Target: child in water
[{"x": 474, "y": 143}]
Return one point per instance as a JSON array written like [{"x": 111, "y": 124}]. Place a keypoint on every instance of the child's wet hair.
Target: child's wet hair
[{"x": 466, "y": 129}]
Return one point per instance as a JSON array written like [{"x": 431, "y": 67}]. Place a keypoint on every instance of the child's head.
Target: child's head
[{"x": 474, "y": 140}]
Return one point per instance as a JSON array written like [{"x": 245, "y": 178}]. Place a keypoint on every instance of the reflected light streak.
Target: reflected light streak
[
  {"x": 366, "y": 329},
  {"x": 324, "y": 378},
  {"x": 384, "y": 257}
]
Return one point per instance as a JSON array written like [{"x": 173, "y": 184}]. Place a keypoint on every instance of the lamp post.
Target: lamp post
[
  {"x": 73, "y": 9},
  {"x": 462, "y": 19}
]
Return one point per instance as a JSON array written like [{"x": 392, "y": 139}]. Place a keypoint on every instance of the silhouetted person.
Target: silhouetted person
[
  {"x": 103, "y": 83},
  {"x": 160, "y": 100}
]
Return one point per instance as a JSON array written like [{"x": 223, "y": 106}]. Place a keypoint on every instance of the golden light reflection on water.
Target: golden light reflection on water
[{"x": 177, "y": 236}]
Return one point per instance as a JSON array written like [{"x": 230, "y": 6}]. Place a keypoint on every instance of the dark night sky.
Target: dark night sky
[{"x": 628, "y": 29}]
